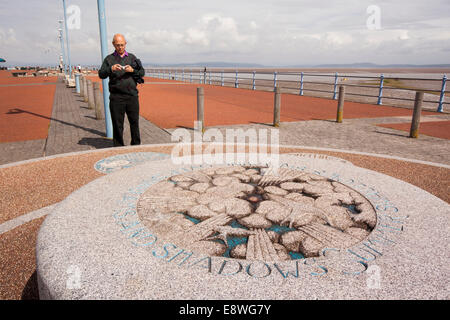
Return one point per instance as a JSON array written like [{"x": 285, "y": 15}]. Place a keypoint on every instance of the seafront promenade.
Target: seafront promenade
[{"x": 41, "y": 117}]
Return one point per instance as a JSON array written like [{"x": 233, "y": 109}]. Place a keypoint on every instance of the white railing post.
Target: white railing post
[
  {"x": 254, "y": 81},
  {"x": 441, "y": 98},
  {"x": 301, "y": 83},
  {"x": 274, "y": 80}
]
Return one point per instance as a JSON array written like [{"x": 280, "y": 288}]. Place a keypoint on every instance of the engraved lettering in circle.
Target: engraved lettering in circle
[{"x": 247, "y": 212}]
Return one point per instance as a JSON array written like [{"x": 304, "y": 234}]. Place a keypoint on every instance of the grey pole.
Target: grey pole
[
  {"x": 200, "y": 108},
  {"x": 277, "y": 107},
  {"x": 91, "y": 103},
  {"x": 414, "y": 132},
  {"x": 98, "y": 101},
  {"x": 340, "y": 108}
]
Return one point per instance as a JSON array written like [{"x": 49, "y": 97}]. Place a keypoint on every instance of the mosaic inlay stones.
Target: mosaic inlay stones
[{"x": 247, "y": 212}]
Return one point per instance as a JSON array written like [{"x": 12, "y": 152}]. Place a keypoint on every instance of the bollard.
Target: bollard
[
  {"x": 276, "y": 107},
  {"x": 82, "y": 86},
  {"x": 85, "y": 90},
  {"x": 414, "y": 132},
  {"x": 77, "y": 83},
  {"x": 91, "y": 103},
  {"x": 340, "y": 108},
  {"x": 98, "y": 101},
  {"x": 200, "y": 108}
]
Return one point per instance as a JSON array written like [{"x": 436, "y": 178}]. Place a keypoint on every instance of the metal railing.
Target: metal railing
[{"x": 370, "y": 89}]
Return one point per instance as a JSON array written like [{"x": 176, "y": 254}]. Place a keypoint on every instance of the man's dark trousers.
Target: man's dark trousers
[{"x": 119, "y": 104}]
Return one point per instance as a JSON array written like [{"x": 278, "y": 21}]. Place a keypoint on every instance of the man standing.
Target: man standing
[{"x": 123, "y": 68}]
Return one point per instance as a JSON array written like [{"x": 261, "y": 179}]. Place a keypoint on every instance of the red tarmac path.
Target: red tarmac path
[
  {"x": 24, "y": 109},
  {"x": 439, "y": 129},
  {"x": 171, "y": 104}
]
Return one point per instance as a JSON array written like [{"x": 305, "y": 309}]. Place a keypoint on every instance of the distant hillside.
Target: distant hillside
[
  {"x": 388, "y": 66},
  {"x": 208, "y": 65},
  {"x": 359, "y": 65}
]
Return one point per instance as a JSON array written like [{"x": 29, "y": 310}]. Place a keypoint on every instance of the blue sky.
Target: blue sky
[{"x": 283, "y": 32}]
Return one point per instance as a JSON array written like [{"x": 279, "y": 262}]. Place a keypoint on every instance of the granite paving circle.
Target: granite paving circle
[{"x": 318, "y": 228}]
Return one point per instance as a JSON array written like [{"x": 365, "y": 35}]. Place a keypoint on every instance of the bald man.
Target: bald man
[{"x": 124, "y": 71}]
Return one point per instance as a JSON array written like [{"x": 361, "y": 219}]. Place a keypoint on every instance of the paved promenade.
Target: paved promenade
[{"x": 73, "y": 127}]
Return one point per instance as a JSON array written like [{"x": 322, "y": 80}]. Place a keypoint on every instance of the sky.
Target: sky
[{"x": 267, "y": 32}]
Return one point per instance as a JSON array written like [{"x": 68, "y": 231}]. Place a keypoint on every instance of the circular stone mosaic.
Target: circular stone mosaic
[{"x": 249, "y": 212}]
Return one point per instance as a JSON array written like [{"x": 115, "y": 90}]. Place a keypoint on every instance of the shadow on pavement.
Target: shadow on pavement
[
  {"x": 405, "y": 135},
  {"x": 98, "y": 143}
]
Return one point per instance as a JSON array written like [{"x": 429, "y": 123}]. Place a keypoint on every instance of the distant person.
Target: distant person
[
  {"x": 79, "y": 68},
  {"x": 124, "y": 71}
]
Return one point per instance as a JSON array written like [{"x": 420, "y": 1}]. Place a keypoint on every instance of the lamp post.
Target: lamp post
[
  {"x": 61, "y": 40},
  {"x": 67, "y": 39},
  {"x": 63, "y": 54},
  {"x": 104, "y": 51}
]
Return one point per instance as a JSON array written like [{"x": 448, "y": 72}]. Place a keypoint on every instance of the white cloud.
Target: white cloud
[
  {"x": 216, "y": 32},
  {"x": 337, "y": 39},
  {"x": 7, "y": 37},
  {"x": 375, "y": 38},
  {"x": 212, "y": 32}
]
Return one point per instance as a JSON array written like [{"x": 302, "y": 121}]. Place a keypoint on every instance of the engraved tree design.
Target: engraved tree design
[{"x": 251, "y": 213}]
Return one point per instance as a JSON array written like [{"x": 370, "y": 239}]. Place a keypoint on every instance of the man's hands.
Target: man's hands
[
  {"x": 118, "y": 67},
  {"x": 128, "y": 68}
]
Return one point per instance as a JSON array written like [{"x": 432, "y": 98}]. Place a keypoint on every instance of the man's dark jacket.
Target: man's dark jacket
[{"x": 121, "y": 82}]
